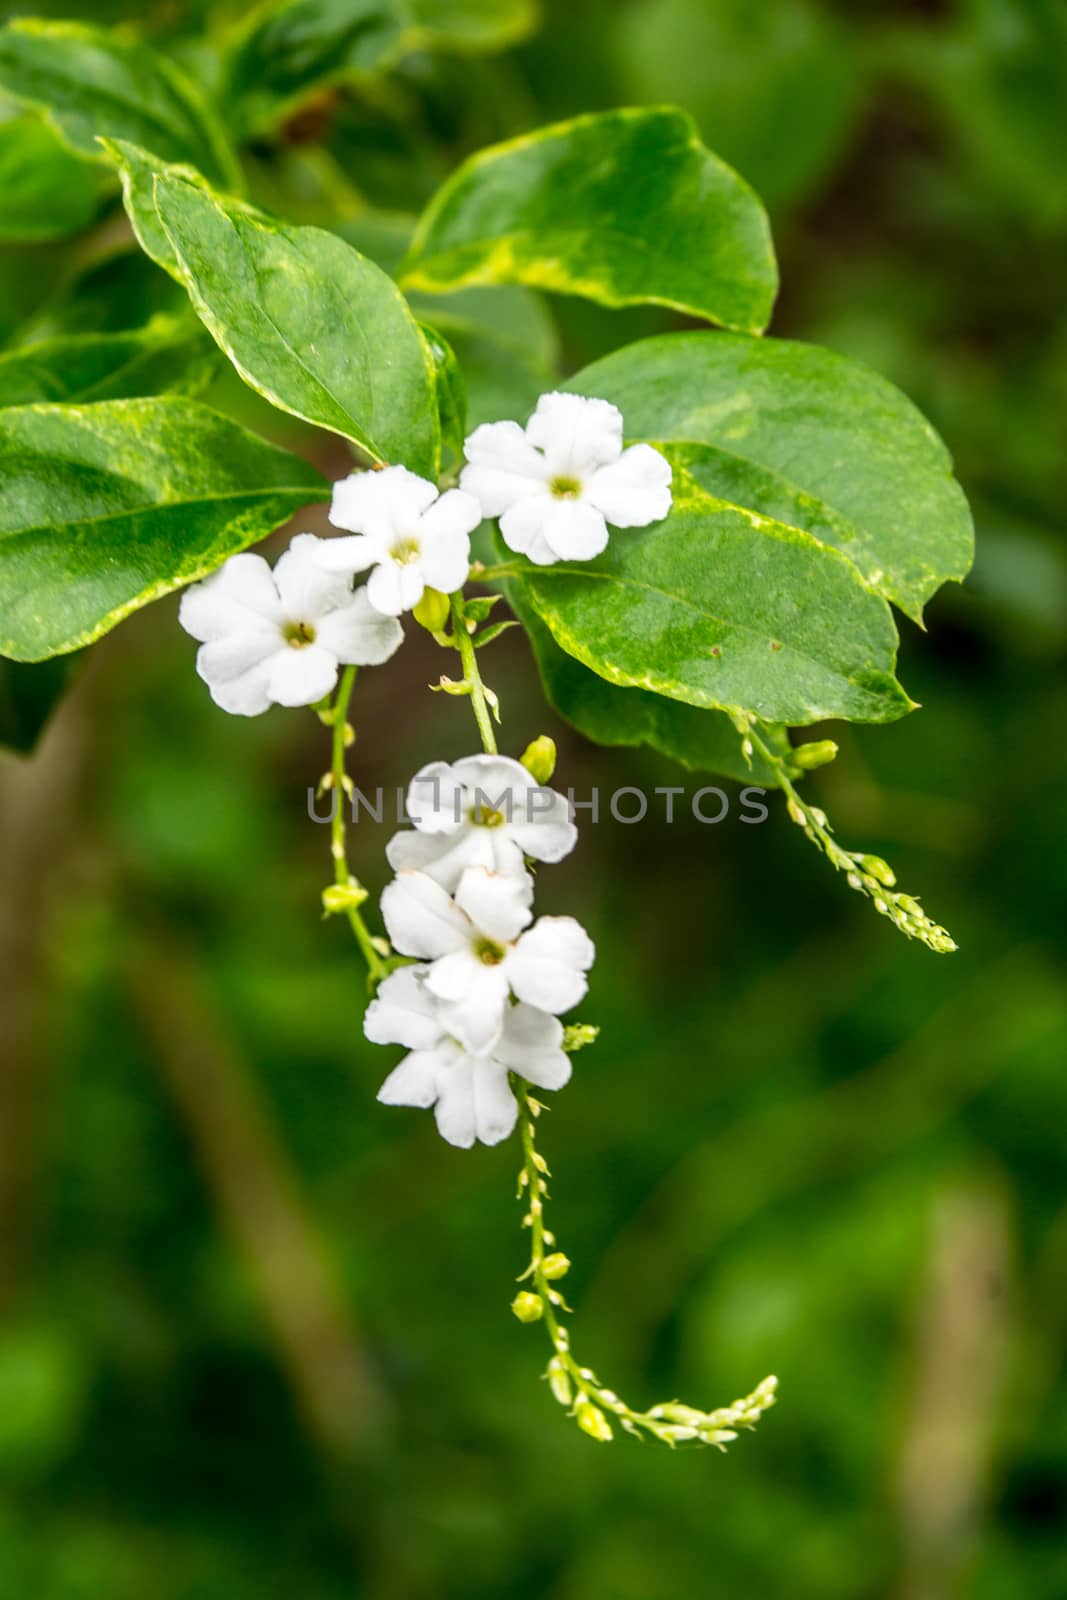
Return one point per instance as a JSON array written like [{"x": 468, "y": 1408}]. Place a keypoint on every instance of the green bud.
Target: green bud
[
  {"x": 816, "y": 753},
  {"x": 539, "y": 758},
  {"x": 576, "y": 1035},
  {"x": 592, "y": 1421},
  {"x": 528, "y": 1307},
  {"x": 559, "y": 1381},
  {"x": 878, "y": 869},
  {"x": 555, "y": 1266},
  {"x": 432, "y": 610},
  {"x": 341, "y": 897}
]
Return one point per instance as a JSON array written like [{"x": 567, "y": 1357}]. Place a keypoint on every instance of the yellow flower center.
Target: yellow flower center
[{"x": 298, "y": 635}]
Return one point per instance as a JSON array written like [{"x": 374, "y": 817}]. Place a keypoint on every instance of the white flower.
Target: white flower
[
  {"x": 478, "y": 953},
  {"x": 276, "y": 638},
  {"x": 485, "y": 811},
  {"x": 470, "y": 1093},
  {"x": 556, "y": 484},
  {"x": 411, "y": 537}
]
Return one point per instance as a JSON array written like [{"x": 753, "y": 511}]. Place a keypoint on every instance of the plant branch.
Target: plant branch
[{"x": 577, "y": 1387}]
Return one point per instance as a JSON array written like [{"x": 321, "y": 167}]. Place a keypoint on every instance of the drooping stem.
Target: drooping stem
[
  {"x": 868, "y": 874},
  {"x": 472, "y": 676},
  {"x": 341, "y": 786},
  {"x": 577, "y": 1387}
]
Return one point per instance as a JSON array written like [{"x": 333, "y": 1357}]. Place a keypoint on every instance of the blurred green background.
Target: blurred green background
[{"x": 255, "y": 1338}]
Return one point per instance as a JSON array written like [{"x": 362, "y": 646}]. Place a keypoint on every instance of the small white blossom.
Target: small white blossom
[
  {"x": 277, "y": 638},
  {"x": 485, "y": 811},
  {"x": 479, "y": 954},
  {"x": 556, "y": 484},
  {"x": 470, "y": 1093},
  {"x": 413, "y": 538}
]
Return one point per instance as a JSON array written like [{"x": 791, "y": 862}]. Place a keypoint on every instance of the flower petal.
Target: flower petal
[
  {"x": 576, "y": 434},
  {"x": 477, "y": 1018},
  {"x": 452, "y": 977},
  {"x": 499, "y": 783},
  {"x": 575, "y": 531},
  {"x": 633, "y": 491},
  {"x": 301, "y": 677},
  {"x": 404, "y": 1012},
  {"x": 381, "y": 503},
  {"x": 547, "y": 965},
  {"x": 522, "y": 528},
  {"x": 503, "y": 467},
  {"x": 445, "y": 857},
  {"x": 245, "y": 696},
  {"x": 393, "y": 588},
  {"x": 454, "y": 1111},
  {"x": 543, "y": 828},
  {"x": 421, "y": 919},
  {"x": 497, "y": 905},
  {"x": 444, "y": 536},
  {"x": 415, "y": 1081},
  {"x": 305, "y": 587},
  {"x": 349, "y": 556},
  {"x": 435, "y": 802},
  {"x": 358, "y": 633},
  {"x": 495, "y": 1108},
  {"x": 531, "y": 1044},
  {"x": 240, "y": 594}
]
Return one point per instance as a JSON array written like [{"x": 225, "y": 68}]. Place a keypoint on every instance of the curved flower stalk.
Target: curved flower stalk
[
  {"x": 867, "y": 874},
  {"x": 576, "y": 1387}
]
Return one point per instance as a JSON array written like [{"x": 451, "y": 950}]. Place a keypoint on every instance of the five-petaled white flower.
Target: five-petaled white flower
[
  {"x": 413, "y": 538},
  {"x": 479, "y": 954},
  {"x": 277, "y": 638},
  {"x": 470, "y": 1093},
  {"x": 556, "y": 484},
  {"x": 484, "y": 811}
]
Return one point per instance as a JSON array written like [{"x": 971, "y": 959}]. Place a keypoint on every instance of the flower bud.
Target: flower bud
[
  {"x": 539, "y": 758},
  {"x": 592, "y": 1421},
  {"x": 576, "y": 1035},
  {"x": 878, "y": 869},
  {"x": 341, "y": 897},
  {"x": 559, "y": 1382},
  {"x": 527, "y": 1307},
  {"x": 556, "y": 1265},
  {"x": 816, "y": 753},
  {"x": 432, "y": 610}
]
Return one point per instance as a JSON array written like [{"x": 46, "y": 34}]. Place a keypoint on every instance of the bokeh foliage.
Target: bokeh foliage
[{"x": 255, "y": 1337}]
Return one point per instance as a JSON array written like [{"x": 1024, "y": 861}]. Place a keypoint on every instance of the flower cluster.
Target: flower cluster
[
  {"x": 489, "y": 983},
  {"x": 278, "y": 638}
]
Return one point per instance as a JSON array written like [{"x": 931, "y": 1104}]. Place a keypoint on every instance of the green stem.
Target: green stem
[
  {"x": 576, "y": 1387},
  {"x": 472, "y": 676},
  {"x": 868, "y": 874},
  {"x": 340, "y": 784}
]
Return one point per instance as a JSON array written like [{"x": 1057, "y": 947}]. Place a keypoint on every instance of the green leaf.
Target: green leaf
[
  {"x": 309, "y": 323},
  {"x": 108, "y": 507},
  {"x": 622, "y": 207},
  {"x": 702, "y": 741},
  {"x": 93, "y": 82},
  {"x": 28, "y": 696},
  {"x": 281, "y": 53},
  {"x": 719, "y": 607},
  {"x": 45, "y": 191},
  {"x": 138, "y": 171},
  {"x": 806, "y": 437},
  {"x": 451, "y": 391},
  {"x": 167, "y": 355}
]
